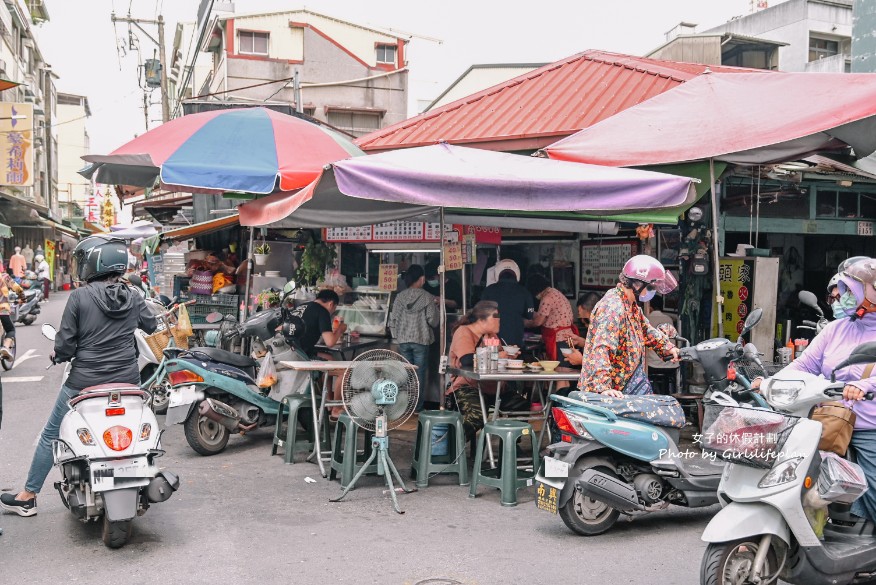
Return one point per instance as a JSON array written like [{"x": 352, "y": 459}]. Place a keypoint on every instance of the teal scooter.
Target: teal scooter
[
  {"x": 610, "y": 458},
  {"x": 213, "y": 392}
]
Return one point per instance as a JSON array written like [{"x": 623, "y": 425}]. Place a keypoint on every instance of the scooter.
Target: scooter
[
  {"x": 605, "y": 465},
  {"x": 762, "y": 532},
  {"x": 106, "y": 451},
  {"x": 214, "y": 392},
  {"x": 26, "y": 312},
  {"x": 153, "y": 376}
]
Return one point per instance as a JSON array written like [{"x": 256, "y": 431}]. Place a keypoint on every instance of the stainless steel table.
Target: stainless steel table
[
  {"x": 527, "y": 375},
  {"x": 318, "y": 407}
]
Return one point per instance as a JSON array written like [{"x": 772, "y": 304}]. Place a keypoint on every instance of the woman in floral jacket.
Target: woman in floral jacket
[{"x": 614, "y": 352}]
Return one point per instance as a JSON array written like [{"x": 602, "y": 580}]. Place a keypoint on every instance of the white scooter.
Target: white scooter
[
  {"x": 763, "y": 533},
  {"x": 106, "y": 448}
]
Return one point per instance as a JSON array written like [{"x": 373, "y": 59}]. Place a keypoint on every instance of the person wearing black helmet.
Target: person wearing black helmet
[{"x": 97, "y": 334}]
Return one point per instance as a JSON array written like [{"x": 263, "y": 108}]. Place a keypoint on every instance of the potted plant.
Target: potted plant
[
  {"x": 268, "y": 299},
  {"x": 260, "y": 254},
  {"x": 314, "y": 260}
]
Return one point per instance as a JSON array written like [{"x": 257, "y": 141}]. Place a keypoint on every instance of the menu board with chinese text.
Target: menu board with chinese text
[{"x": 602, "y": 262}]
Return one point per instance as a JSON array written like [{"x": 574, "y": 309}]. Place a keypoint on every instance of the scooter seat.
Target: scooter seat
[{"x": 225, "y": 357}]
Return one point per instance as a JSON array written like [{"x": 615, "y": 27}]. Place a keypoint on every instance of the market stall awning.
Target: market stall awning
[
  {"x": 745, "y": 118},
  {"x": 405, "y": 183},
  {"x": 200, "y": 229}
]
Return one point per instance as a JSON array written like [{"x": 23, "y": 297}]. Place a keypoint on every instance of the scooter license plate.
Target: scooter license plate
[
  {"x": 104, "y": 474},
  {"x": 547, "y": 495}
]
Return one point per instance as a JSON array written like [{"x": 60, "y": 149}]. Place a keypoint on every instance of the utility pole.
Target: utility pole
[
  {"x": 162, "y": 58},
  {"x": 165, "y": 101}
]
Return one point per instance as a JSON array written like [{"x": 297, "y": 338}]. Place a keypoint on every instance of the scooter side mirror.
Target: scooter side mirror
[
  {"x": 49, "y": 332},
  {"x": 862, "y": 354},
  {"x": 214, "y": 317},
  {"x": 289, "y": 287},
  {"x": 753, "y": 319},
  {"x": 810, "y": 300}
]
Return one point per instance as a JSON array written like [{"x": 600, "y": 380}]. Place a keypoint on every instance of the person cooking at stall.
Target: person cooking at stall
[
  {"x": 452, "y": 289},
  {"x": 554, "y": 316},
  {"x": 515, "y": 302}
]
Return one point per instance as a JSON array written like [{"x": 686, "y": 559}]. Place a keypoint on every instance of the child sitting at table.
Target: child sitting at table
[{"x": 479, "y": 327}]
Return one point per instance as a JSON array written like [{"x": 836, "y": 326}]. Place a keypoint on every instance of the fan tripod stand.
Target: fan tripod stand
[{"x": 380, "y": 450}]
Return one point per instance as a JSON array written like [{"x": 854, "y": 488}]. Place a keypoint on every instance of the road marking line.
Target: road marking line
[
  {"x": 21, "y": 379},
  {"x": 27, "y": 355}
]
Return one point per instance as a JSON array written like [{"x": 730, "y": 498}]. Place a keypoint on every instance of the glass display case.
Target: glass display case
[{"x": 366, "y": 310}]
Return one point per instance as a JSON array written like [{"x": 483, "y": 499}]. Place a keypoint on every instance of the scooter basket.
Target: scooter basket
[
  {"x": 747, "y": 436},
  {"x": 159, "y": 340},
  {"x": 752, "y": 370}
]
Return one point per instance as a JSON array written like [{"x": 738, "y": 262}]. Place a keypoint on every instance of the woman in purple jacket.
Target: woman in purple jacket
[{"x": 857, "y": 288}]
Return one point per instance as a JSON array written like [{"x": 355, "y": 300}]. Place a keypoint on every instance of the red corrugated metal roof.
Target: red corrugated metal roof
[{"x": 542, "y": 106}]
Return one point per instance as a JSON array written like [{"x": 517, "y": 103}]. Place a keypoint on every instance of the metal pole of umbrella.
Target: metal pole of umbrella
[
  {"x": 442, "y": 304},
  {"x": 719, "y": 300},
  {"x": 250, "y": 265}
]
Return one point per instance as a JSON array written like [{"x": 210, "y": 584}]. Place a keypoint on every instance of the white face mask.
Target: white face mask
[{"x": 647, "y": 295}]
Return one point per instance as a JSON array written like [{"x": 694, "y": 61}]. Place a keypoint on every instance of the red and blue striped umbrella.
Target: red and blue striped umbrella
[{"x": 248, "y": 150}]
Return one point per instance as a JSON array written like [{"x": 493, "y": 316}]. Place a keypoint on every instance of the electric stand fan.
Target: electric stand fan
[{"x": 380, "y": 391}]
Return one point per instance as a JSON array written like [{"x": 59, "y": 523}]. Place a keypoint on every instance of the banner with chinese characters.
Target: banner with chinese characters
[
  {"x": 16, "y": 144},
  {"x": 387, "y": 277},
  {"x": 736, "y": 277},
  {"x": 50, "y": 258}
]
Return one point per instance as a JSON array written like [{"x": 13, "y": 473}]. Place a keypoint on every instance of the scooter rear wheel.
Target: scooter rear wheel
[
  {"x": 116, "y": 534},
  {"x": 205, "y": 436},
  {"x": 730, "y": 563},
  {"x": 584, "y": 515}
]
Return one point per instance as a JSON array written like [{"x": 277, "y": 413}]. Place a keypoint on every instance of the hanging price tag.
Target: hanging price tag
[
  {"x": 452, "y": 256},
  {"x": 388, "y": 276}
]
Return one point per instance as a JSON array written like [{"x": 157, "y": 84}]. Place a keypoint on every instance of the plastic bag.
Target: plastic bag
[
  {"x": 840, "y": 480},
  {"x": 183, "y": 322},
  {"x": 267, "y": 372}
]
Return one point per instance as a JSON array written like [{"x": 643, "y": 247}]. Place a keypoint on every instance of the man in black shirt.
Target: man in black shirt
[
  {"x": 516, "y": 306},
  {"x": 311, "y": 322},
  {"x": 452, "y": 289}
]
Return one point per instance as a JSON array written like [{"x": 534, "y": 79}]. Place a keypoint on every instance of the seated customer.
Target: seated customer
[
  {"x": 479, "y": 324},
  {"x": 310, "y": 323},
  {"x": 585, "y": 304}
]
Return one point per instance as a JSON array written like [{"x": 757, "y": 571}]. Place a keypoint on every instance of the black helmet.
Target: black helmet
[{"x": 98, "y": 256}]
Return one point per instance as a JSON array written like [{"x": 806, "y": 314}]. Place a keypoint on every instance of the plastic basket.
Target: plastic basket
[
  {"x": 751, "y": 370},
  {"x": 198, "y": 312},
  {"x": 747, "y": 436},
  {"x": 216, "y": 299}
]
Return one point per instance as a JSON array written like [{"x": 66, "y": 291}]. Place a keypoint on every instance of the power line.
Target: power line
[{"x": 194, "y": 59}]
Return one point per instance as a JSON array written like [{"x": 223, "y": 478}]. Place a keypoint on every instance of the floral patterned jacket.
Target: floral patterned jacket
[{"x": 616, "y": 341}]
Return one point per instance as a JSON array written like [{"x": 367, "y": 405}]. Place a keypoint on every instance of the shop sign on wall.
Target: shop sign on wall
[
  {"x": 736, "y": 278},
  {"x": 388, "y": 276},
  {"x": 865, "y": 228},
  {"x": 16, "y": 144}
]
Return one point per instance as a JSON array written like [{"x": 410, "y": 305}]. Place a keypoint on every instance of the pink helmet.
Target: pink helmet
[{"x": 648, "y": 270}]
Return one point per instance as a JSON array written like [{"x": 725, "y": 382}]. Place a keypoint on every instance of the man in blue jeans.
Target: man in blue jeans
[
  {"x": 97, "y": 333},
  {"x": 413, "y": 316}
]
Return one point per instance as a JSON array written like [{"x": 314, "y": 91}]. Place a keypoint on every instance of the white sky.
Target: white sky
[{"x": 80, "y": 43}]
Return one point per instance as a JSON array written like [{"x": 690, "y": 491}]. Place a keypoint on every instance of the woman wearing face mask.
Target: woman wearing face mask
[
  {"x": 833, "y": 297},
  {"x": 619, "y": 333},
  {"x": 857, "y": 325}
]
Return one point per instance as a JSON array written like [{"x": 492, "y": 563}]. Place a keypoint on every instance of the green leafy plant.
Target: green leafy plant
[
  {"x": 268, "y": 298},
  {"x": 317, "y": 256},
  {"x": 262, "y": 249}
]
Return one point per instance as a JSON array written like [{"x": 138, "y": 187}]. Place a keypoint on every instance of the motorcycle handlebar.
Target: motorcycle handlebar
[{"x": 838, "y": 393}]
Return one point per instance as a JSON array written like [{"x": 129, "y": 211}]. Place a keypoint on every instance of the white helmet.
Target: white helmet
[
  {"x": 834, "y": 280},
  {"x": 503, "y": 265},
  {"x": 38, "y": 258}
]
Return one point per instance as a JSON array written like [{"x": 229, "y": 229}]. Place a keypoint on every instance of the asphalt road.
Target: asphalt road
[{"x": 245, "y": 517}]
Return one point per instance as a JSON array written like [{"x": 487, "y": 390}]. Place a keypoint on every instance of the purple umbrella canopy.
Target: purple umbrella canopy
[{"x": 409, "y": 182}]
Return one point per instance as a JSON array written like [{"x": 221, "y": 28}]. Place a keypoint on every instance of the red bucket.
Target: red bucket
[{"x": 65, "y": 286}]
